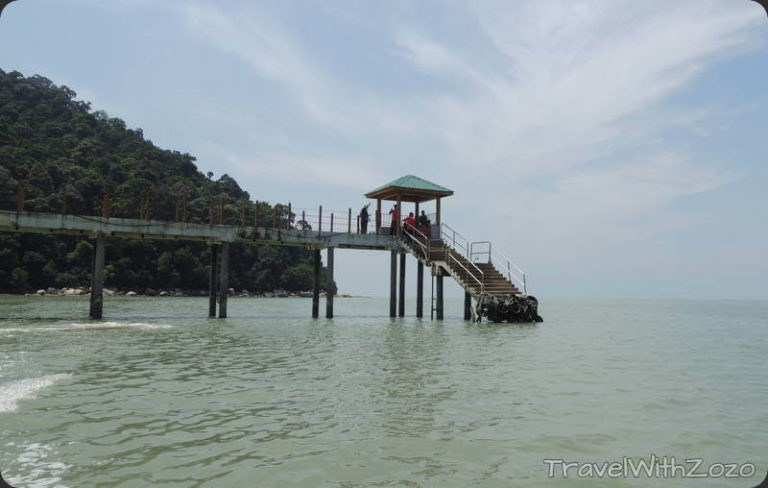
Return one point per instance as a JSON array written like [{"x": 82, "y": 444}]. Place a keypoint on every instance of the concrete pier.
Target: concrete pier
[
  {"x": 467, "y": 306},
  {"x": 420, "y": 289},
  {"x": 212, "y": 280},
  {"x": 393, "y": 284},
  {"x": 316, "y": 283},
  {"x": 97, "y": 280},
  {"x": 401, "y": 298},
  {"x": 330, "y": 287},
  {"x": 224, "y": 280},
  {"x": 439, "y": 310}
]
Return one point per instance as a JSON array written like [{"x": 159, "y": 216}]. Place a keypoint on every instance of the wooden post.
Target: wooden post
[
  {"x": 419, "y": 289},
  {"x": 212, "y": 274},
  {"x": 349, "y": 222},
  {"x": 303, "y": 220},
  {"x": 398, "y": 228},
  {"x": 288, "y": 224},
  {"x": 393, "y": 284},
  {"x": 316, "y": 284},
  {"x": 467, "y": 306},
  {"x": 439, "y": 298},
  {"x": 97, "y": 279},
  {"x": 224, "y": 280},
  {"x": 401, "y": 298},
  {"x": 330, "y": 287},
  {"x": 378, "y": 215}
]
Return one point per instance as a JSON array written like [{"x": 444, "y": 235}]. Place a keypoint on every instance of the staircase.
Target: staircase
[{"x": 456, "y": 256}]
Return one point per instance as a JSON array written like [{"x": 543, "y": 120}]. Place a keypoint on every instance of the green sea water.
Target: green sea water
[{"x": 159, "y": 395}]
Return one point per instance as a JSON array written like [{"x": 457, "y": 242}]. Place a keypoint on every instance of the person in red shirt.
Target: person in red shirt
[
  {"x": 394, "y": 217},
  {"x": 409, "y": 222}
]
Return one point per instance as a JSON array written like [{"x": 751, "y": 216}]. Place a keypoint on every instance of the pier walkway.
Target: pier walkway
[{"x": 497, "y": 286}]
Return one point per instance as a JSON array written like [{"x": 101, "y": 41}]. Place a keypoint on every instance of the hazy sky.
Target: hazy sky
[{"x": 612, "y": 148}]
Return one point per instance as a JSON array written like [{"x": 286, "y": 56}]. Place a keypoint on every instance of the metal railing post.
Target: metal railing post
[
  {"x": 288, "y": 224},
  {"x": 320, "y": 221},
  {"x": 490, "y": 257},
  {"x": 331, "y": 221},
  {"x": 349, "y": 222}
]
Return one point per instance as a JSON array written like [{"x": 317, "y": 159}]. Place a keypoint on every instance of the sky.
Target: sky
[{"x": 611, "y": 148}]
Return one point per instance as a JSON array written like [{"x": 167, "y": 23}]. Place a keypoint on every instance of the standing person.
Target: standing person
[
  {"x": 421, "y": 220},
  {"x": 394, "y": 218},
  {"x": 410, "y": 223},
  {"x": 364, "y": 218}
]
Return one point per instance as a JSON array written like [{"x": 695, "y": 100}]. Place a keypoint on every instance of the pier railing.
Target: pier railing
[
  {"x": 484, "y": 252},
  {"x": 461, "y": 245}
]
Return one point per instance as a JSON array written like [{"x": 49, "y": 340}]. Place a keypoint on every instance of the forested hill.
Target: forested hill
[{"x": 59, "y": 155}]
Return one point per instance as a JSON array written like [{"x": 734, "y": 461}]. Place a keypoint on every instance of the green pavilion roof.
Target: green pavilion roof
[{"x": 410, "y": 189}]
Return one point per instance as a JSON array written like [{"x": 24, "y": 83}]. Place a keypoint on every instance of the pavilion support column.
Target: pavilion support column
[
  {"x": 330, "y": 287},
  {"x": 401, "y": 304},
  {"x": 213, "y": 273},
  {"x": 393, "y": 284},
  {"x": 316, "y": 284},
  {"x": 419, "y": 289},
  {"x": 398, "y": 228},
  {"x": 438, "y": 218},
  {"x": 97, "y": 279},
  {"x": 439, "y": 310},
  {"x": 224, "y": 280},
  {"x": 467, "y": 306},
  {"x": 378, "y": 215}
]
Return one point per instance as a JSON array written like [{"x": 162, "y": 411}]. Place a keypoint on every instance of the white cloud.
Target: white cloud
[
  {"x": 344, "y": 173},
  {"x": 551, "y": 111}
]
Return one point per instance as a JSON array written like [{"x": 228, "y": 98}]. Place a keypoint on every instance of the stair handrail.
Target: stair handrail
[
  {"x": 454, "y": 235},
  {"x": 424, "y": 247},
  {"x": 479, "y": 282},
  {"x": 458, "y": 247},
  {"x": 500, "y": 260}
]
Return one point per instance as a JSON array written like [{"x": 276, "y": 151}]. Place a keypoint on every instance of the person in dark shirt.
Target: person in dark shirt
[{"x": 364, "y": 218}]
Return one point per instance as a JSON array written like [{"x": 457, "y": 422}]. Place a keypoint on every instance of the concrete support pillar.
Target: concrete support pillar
[
  {"x": 97, "y": 279},
  {"x": 330, "y": 287},
  {"x": 467, "y": 306},
  {"x": 401, "y": 304},
  {"x": 393, "y": 284},
  {"x": 439, "y": 311},
  {"x": 419, "y": 289},
  {"x": 213, "y": 273},
  {"x": 224, "y": 280},
  {"x": 316, "y": 284}
]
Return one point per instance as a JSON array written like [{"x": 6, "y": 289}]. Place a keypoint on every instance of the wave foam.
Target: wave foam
[
  {"x": 15, "y": 391},
  {"x": 87, "y": 326}
]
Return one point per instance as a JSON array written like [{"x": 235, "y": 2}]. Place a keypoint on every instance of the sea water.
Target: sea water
[{"x": 159, "y": 395}]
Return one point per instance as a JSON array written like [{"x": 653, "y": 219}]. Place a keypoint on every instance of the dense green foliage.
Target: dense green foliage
[{"x": 59, "y": 156}]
